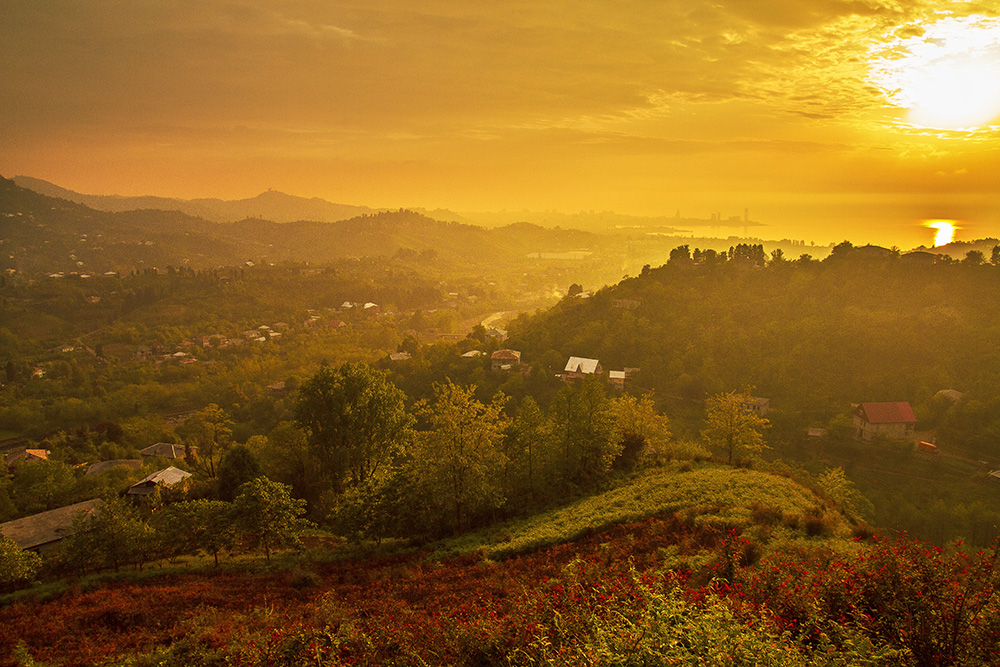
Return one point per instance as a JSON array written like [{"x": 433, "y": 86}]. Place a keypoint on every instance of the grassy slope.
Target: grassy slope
[{"x": 708, "y": 493}]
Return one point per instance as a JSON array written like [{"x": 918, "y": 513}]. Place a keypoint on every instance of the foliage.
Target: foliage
[
  {"x": 238, "y": 466},
  {"x": 645, "y": 432},
  {"x": 17, "y": 567},
  {"x": 111, "y": 536},
  {"x": 356, "y": 421},
  {"x": 456, "y": 463},
  {"x": 732, "y": 425},
  {"x": 266, "y": 516},
  {"x": 843, "y": 492},
  {"x": 210, "y": 432}
]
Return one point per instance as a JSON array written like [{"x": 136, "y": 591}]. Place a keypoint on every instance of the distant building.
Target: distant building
[
  {"x": 578, "y": 368},
  {"x": 504, "y": 360},
  {"x": 167, "y": 478},
  {"x": 399, "y": 356},
  {"x": 758, "y": 406},
  {"x": 26, "y": 456},
  {"x": 166, "y": 450},
  {"x": 472, "y": 354},
  {"x": 617, "y": 379},
  {"x": 38, "y": 532},
  {"x": 890, "y": 420},
  {"x": 952, "y": 395},
  {"x": 102, "y": 466},
  {"x": 626, "y": 304}
]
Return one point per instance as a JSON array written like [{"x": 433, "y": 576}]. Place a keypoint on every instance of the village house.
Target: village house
[
  {"x": 890, "y": 420},
  {"x": 39, "y": 532},
  {"x": 617, "y": 379},
  {"x": 167, "y": 478},
  {"x": 167, "y": 450},
  {"x": 103, "y": 466},
  {"x": 578, "y": 368},
  {"x": 25, "y": 456},
  {"x": 504, "y": 360},
  {"x": 399, "y": 356},
  {"x": 758, "y": 406}
]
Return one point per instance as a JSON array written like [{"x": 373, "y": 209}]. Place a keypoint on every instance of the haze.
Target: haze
[{"x": 816, "y": 115}]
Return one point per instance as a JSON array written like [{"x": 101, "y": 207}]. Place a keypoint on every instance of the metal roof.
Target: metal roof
[
  {"x": 38, "y": 529},
  {"x": 581, "y": 365},
  {"x": 888, "y": 413}
]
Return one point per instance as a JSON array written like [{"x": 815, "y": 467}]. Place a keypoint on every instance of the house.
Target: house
[
  {"x": 102, "y": 466},
  {"x": 167, "y": 478},
  {"x": 399, "y": 356},
  {"x": 952, "y": 395},
  {"x": 578, "y": 368},
  {"x": 617, "y": 379},
  {"x": 890, "y": 420},
  {"x": 166, "y": 450},
  {"x": 504, "y": 360},
  {"x": 26, "y": 456},
  {"x": 496, "y": 334},
  {"x": 472, "y": 354},
  {"x": 758, "y": 406},
  {"x": 41, "y": 531}
]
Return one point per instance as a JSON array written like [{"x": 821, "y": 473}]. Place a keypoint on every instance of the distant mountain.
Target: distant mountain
[
  {"x": 41, "y": 234},
  {"x": 270, "y": 205}
]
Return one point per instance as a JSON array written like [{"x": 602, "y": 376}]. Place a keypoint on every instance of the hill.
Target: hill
[
  {"x": 44, "y": 234},
  {"x": 270, "y": 205},
  {"x": 664, "y": 589}
]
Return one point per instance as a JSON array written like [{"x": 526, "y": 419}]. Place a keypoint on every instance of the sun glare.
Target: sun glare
[
  {"x": 947, "y": 76},
  {"x": 944, "y": 231}
]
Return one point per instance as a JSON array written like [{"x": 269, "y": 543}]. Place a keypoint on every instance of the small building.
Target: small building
[
  {"x": 46, "y": 529},
  {"x": 399, "y": 356},
  {"x": 625, "y": 304},
  {"x": 26, "y": 456},
  {"x": 578, "y": 368},
  {"x": 472, "y": 354},
  {"x": 102, "y": 466},
  {"x": 496, "y": 334},
  {"x": 890, "y": 420},
  {"x": 504, "y": 360},
  {"x": 952, "y": 395},
  {"x": 758, "y": 406},
  {"x": 816, "y": 432},
  {"x": 167, "y": 478},
  {"x": 617, "y": 379},
  {"x": 166, "y": 450}
]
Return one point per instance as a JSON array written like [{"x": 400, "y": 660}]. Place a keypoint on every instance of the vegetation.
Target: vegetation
[{"x": 471, "y": 512}]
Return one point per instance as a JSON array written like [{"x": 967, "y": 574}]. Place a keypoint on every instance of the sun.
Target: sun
[
  {"x": 946, "y": 77},
  {"x": 945, "y": 231}
]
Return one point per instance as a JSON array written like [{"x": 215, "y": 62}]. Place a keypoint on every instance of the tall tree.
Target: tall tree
[
  {"x": 644, "y": 432},
  {"x": 732, "y": 425},
  {"x": 210, "y": 430},
  {"x": 356, "y": 419},
  {"x": 267, "y": 517},
  {"x": 583, "y": 428},
  {"x": 460, "y": 461}
]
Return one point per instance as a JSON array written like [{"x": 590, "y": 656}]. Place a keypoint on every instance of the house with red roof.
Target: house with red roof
[{"x": 889, "y": 420}]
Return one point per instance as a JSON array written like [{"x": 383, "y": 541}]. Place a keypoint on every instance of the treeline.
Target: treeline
[
  {"x": 376, "y": 468},
  {"x": 865, "y": 324},
  {"x": 262, "y": 517}
]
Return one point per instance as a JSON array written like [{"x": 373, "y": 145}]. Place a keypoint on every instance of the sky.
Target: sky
[{"x": 828, "y": 119}]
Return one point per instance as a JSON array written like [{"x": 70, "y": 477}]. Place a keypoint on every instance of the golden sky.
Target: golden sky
[{"x": 793, "y": 108}]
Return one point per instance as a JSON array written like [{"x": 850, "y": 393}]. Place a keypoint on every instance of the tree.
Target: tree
[
  {"x": 238, "y": 466},
  {"x": 459, "y": 462},
  {"x": 843, "y": 492},
  {"x": 732, "y": 425},
  {"x": 584, "y": 431},
  {"x": 267, "y": 517},
  {"x": 356, "y": 419},
  {"x": 193, "y": 525},
  {"x": 525, "y": 442},
  {"x": 644, "y": 432},
  {"x": 17, "y": 567},
  {"x": 211, "y": 431},
  {"x": 113, "y": 535}
]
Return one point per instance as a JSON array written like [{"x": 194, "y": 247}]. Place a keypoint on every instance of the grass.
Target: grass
[{"x": 707, "y": 493}]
